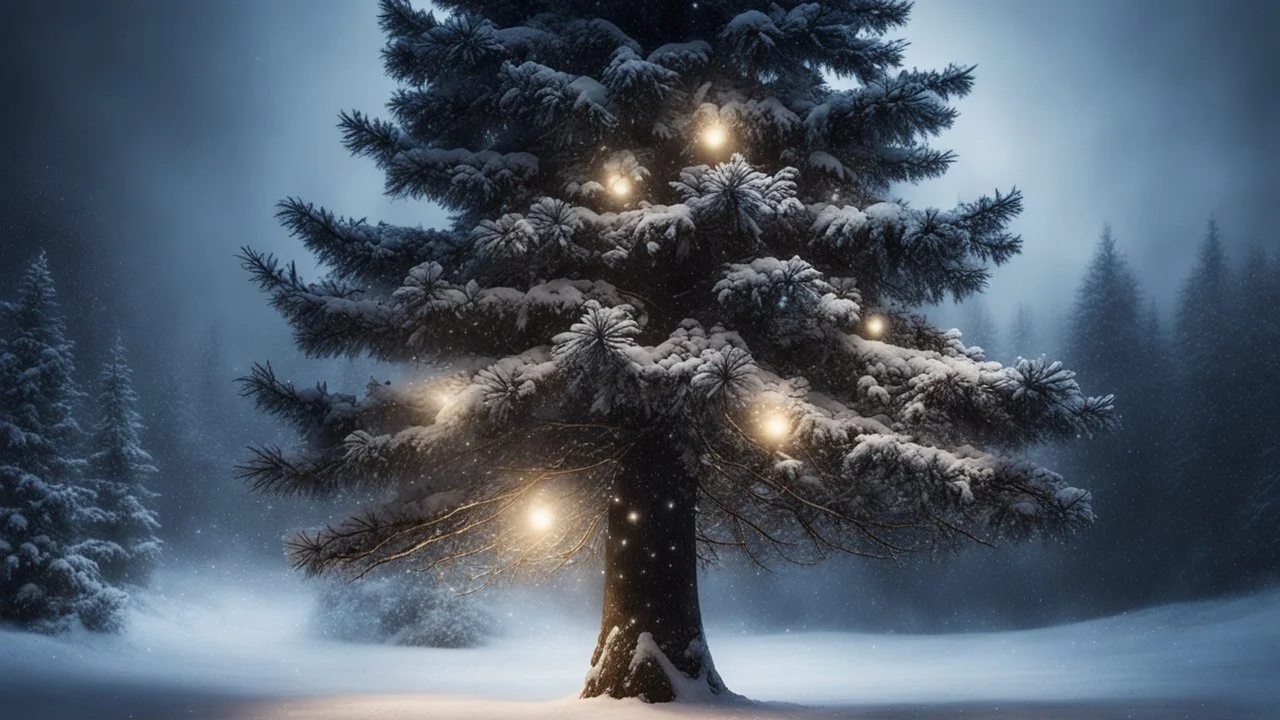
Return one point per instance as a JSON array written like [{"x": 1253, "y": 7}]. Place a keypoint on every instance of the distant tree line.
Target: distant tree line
[
  {"x": 77, "y": 522},
  {"x": 1186, "y": 492}
]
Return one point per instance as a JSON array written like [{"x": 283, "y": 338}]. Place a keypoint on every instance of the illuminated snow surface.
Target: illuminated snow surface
[{"x": 205, "y": 650}]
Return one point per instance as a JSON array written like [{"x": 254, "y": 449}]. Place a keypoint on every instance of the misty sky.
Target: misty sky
[{"x": 146, "y": 140}]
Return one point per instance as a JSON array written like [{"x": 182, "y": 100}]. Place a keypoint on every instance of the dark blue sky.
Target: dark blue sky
[{"x": 146, "y": 140}]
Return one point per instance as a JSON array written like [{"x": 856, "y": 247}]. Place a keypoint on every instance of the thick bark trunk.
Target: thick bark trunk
[{"x": 651, "y": 642}]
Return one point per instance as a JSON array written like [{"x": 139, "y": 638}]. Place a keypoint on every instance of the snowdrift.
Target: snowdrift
[{"x": 202, "y": 647}]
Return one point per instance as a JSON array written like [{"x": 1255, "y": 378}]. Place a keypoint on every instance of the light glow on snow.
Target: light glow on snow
[
  {"x": 875, "y": 326},
  {"x": 776, "y": 426},
  {"x": 714, "y": 136},
  {"x": 620, "y": 186},
  {"x": 541, "y": 518}
]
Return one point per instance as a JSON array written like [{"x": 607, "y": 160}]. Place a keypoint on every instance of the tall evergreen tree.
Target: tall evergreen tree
[
  {"x": 670, "y": 311},
  {"x": 1104, "y": 327},
  {"x": 128, "y": 547},
  {"x": 1107, "y": 338},
  {"x": 47, "y": 583},
  {"x": 1211, "y": 481}
]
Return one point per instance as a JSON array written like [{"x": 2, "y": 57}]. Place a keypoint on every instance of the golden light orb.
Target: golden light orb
[
  {"x": 714, "y": 136},
  {"x": 875, "y": 326},
  {"x": 620, "y": 186},
  {"x": 541, "y": 519},
  {"x": 633, "y": 516},
  {"x": 776, "y": 426}
]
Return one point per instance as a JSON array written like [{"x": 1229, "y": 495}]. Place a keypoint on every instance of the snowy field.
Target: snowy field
[{"x": 246, "y": 652}]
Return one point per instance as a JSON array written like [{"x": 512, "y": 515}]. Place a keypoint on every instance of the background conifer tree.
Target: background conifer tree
[
  {"x": 1106, "y": 339},
  {"x": 1212, "y": 480},
  {"x": 672, "y": 313},
  {"x": 1256, "y": 344},
  {"x": 128, "y": 547},
  {"x": 47, "y": 581}
]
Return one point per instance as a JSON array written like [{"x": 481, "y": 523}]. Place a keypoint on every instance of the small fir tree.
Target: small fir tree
[
  {"x": 48, "y": 582},
  {"x": 671, "y": 313},
  {"x": 128, "y": 548}
]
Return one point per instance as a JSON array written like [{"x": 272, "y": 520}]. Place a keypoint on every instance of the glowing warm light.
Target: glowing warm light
[
  {"x": 620, "y": 186},
  {"x": 714, "y": 137},
  {"x": 776, "y": 426},
  {"x": 541, "y": 519},
  {"x": 875, "y": 326},
  {"x": 633, "y": 516}
]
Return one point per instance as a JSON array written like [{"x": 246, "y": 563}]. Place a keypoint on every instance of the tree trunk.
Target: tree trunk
[{"x": 651, "y": 642}]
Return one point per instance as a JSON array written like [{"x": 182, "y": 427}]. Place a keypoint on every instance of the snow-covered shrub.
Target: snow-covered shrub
[{"x": 401, "y": 609}]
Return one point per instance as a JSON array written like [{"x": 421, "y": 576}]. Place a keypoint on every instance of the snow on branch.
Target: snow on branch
[
  {"x": 839, "y": 482},
  {"x": 312, "y": 411},
  {"x": 357, "y": 250},
  {"x": 636, "y": 84},
  {"x": 329, "y": 318},
  {"x": 371, "y": 137},
  {"x": 951, "y": 397},
  {"x": 599, "y": 337},
  {"x": 548, "y": 239},
  {"x": 893, "y": 110},
  {"x": 682, "y": 56},
  {"x": 572, "y": 107},
  {"x": 791, "y": 296},
  {"x": 403, "y": 25},
  {"x": 736, "y": 198},
  {"x": 445, "y": 320},
  {"x": 899, "y": 254},
  {"x": 836, "y": 36}
]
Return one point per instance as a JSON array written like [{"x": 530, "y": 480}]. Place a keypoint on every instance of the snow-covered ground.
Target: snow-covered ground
[{"x": 204, "y": 649}]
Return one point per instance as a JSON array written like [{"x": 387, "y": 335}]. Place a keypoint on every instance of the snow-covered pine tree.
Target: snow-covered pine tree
[
  {"x": 127, "y": 547},
  {"x": 47, "y": 583},
  {"x": 671, "y": 313}
]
